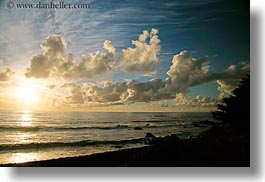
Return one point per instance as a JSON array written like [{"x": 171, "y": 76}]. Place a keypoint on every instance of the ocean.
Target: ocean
[{"x": 34, "y": 135}]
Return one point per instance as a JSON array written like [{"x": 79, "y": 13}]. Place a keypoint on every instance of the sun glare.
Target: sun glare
[{"x": 27, "y": 94}]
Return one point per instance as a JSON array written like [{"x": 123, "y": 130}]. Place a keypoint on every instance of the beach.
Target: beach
[
  {"x": 217, "y": 147},
  {"x": 37, "y": 136}
]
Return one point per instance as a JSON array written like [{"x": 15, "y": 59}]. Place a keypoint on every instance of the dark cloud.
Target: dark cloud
[{"x": 6, "y": 74}]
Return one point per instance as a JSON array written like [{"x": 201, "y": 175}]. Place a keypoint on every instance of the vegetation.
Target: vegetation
[{"x": 234, "y": 111}]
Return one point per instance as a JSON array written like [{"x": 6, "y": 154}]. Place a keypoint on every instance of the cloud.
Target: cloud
[
  {"x": 232, "y": 72},
  {"x": 108, "y": 46},
  {"x": 144, "y": 56},
  {"x": 184, "y": 73},
  {"x": 75, "y": 94},
  {"x": 53, "y": 62},
  {"x": 51, "y": 86},
  {"x": 6, "y": 74},
  {"x": 226, "y": 87},
  {"x": 54, "y": 45},
  {"x": 182, "y": 100},
  {"x": 108, "y": 93},
  {"x": 230, "y": 78},
  {"x": 46, "y": 64},
  {"x": 152, "y": 90}
]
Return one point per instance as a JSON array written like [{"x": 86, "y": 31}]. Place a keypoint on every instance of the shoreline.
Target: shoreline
[{"x": 214, "y": 148}]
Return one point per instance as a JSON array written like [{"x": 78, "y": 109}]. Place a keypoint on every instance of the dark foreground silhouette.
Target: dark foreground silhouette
[{"x": 234, "y": 111}]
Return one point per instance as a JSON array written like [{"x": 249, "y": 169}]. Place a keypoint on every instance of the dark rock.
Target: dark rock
[
  {"x": 118, "y": 146},
  {"x": 150, "y": 135},
  {"x": 121, "y": 126},
  {"x": 172, "y": 138},
  {"x": 137, "y": 128},
  {"x": 207, "y": 122},
  {"x": 196, "y": 125}
]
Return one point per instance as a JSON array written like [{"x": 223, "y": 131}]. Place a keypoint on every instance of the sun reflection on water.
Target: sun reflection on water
[
  {"x": 23, "y": 157},
  {"x": 26, "y": 119},
  {"x": 25, "y": 136}
]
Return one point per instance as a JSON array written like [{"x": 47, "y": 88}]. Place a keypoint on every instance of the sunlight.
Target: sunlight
[
  {"x": 23, "y": 157},
  {"x": 26, "y": 119},
  {"x": 27, "y": 93}
]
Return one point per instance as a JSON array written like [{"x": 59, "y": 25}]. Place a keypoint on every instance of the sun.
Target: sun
[{"x": 27, "y": 94}]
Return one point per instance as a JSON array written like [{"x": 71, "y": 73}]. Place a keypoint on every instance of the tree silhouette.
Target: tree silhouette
[{"x": 234, "y": 111}]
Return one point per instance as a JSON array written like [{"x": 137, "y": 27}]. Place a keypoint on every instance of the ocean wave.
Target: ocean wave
[
  {"x": 152, "y": 121},
  {"x": 46, "y": 128},
  {"x": 19, "y": 128},
  {"x": 72, "y": 144},
  {"x": 56, "y": 128}
]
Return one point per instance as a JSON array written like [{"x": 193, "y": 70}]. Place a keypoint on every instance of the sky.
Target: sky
[{"x": 119, "y": 55}]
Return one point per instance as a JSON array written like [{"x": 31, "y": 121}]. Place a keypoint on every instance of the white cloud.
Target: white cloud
[
  {"x": 54, "y": 45},
  {"x": 226, "y": 87},
  {"x": 184, "y": 73},
  {"x": 108, "y": 93},
  {"x": 52, "y": 62},
  {"x": 182, "y": 100},
  {"x": 230, "y": 78},
  {"x": 144, "y": 56},
  {"x": 46, "y": 64},
  {"x": 108, "y": 46}
]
